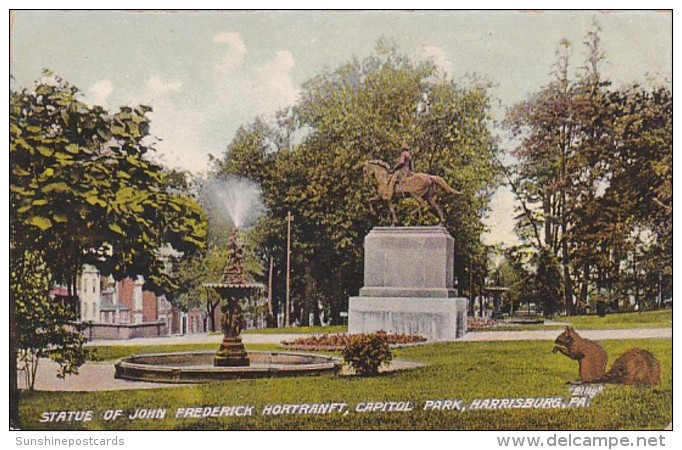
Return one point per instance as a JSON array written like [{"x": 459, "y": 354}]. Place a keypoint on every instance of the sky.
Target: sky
[{"x": 207, "y": 73}]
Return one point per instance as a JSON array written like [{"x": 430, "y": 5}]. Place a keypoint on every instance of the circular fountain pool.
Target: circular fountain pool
[{"x": 197, "y": 367}]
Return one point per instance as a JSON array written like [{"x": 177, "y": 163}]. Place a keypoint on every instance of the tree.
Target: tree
[
  {"x": 84, "y": 191},
  {"x": 365, "y": 110},
  {"x": 547, "y": 283},
  {"x": 47, "y": 328},
  {"x": 593, "y": 165},
  {"x": 545, "y": 127},
  {"x": 641, "y": 179},
  {"x": 512, "y": 273},
  {"x": 82, "y": 187}
]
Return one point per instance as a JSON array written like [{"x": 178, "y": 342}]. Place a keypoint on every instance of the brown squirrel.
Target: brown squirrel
[
  {"x": 590, "y": 355},
  {"x": 635, "y": 366}
]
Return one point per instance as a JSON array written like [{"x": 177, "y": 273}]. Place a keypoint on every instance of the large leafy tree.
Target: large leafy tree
[
  {"x": 547, "y": 133},
  {"x": 364, "y": 109},
  {"x": 83, "y": 190},
  {"x": 594, "y": 174}
]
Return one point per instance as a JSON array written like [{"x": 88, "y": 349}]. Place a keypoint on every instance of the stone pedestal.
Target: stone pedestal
[
  {"x": 231, "y": 353},
  {"x": 409, "y": 285}
]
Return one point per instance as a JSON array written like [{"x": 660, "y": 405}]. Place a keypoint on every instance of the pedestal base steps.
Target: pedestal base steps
[
  {"x": 434, "y": 318},
  {"x": 231, "y": 353}
]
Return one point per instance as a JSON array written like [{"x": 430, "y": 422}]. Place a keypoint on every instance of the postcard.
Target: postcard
[{"x": 341, "y": 220}]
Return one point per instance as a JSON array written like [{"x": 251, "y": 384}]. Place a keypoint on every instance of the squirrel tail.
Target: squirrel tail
[{"x": 609, "y": 377}]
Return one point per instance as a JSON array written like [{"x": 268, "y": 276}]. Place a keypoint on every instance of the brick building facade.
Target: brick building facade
[{"x": 123, "y": 309}]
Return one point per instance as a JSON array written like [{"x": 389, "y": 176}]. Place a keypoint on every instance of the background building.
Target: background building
[{"x": 124, "y": 310}]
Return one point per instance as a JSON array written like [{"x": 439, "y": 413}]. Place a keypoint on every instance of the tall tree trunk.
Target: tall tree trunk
[
  {"x": 16, "y": 256},
  {"x": 547, "y": 210},
  {"x": 568, "y": 285},
  {"x": 308, "y": 294},
  {"x": 565, "y": 260},
  {"x": 472, "y": 299},
  {"x": 14, "y": 420},
  {"x": 637, "y": 288},
  {"x": 584, "y": 286},
  {"x": 659, "y": 297},
  {"x": 210, "y": 308}
]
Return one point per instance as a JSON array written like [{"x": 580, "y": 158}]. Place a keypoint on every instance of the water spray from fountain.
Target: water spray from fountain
[{"x": 233, "y": 200}]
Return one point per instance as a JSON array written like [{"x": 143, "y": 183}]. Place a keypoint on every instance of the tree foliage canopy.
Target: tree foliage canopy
[
  {"x": 84, "y": 190},
  {"x": 594, "y": 174},
  {"x": 310, "y": 163}
]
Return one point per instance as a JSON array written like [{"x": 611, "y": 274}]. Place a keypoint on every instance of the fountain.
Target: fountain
[
  {"x": 234, "y": 285},
  {"x": 231, "y": 360}
]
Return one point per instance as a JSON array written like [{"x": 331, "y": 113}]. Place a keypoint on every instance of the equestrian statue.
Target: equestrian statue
[{"x": 400, "y": 180}]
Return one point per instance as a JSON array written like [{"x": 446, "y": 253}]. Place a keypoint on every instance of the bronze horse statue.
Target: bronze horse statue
[{"x": 420, "y": 186}]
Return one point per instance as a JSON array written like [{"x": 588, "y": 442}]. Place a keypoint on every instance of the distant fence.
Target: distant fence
[{"x": 125, "y": 331}]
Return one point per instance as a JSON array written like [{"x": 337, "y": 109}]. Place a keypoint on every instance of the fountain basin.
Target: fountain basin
[
  {"x": 239, "y": 290},
  {"x": 197, "y": 367}
]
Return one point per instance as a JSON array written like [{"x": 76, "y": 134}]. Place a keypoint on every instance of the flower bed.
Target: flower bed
[
  {"x": 477, "y": 323},
  {"x": 338, "y": 341}
]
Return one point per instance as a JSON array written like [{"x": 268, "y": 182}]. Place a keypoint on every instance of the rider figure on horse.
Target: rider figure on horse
[{"x": 402, "y": 169}]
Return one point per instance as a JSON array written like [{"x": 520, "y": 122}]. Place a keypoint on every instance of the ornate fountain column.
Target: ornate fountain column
[
  {"x": 234, "y": 285},
  {"x": 231, "y": 352}
]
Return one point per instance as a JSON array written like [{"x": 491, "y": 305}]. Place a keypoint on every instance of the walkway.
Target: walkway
[
  {"x": 198, "y": 339},
  {"x": 539, "y": 335},
  {"x": 100, "y": 376}
]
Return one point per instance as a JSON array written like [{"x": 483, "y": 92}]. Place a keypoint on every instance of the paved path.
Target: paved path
[
  {"x": 97, "y": 376},
  {"x": 198, "y": 339},
  {"x": 539, "y": 335},
  {"x": 100, "y": 376}
]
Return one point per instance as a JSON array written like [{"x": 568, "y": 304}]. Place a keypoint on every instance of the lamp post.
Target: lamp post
[
  {"x": 288, "y": 304},
  {"x": 270, "y": 287}
]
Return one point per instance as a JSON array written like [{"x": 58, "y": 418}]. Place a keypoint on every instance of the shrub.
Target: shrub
[{"x": 365, "y": 353}]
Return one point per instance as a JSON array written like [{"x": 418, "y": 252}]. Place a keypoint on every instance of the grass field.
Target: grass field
[
  {"x": 114, "y": 352},
  {"x": 620, "y": 321},
  {"x": 465, "y": 371},
  {"x": 646, "y": 319}
]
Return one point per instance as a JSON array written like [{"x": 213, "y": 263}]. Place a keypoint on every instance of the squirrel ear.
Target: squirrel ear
[{"x": 568, "y": 328}]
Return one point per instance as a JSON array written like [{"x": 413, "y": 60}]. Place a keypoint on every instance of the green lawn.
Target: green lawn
[
  {"x": 520, "y": 328},
  {"x": 115, "y": 352},
  {"x": 458, "y": 370},
  {"x": 646, "y": 319}
]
